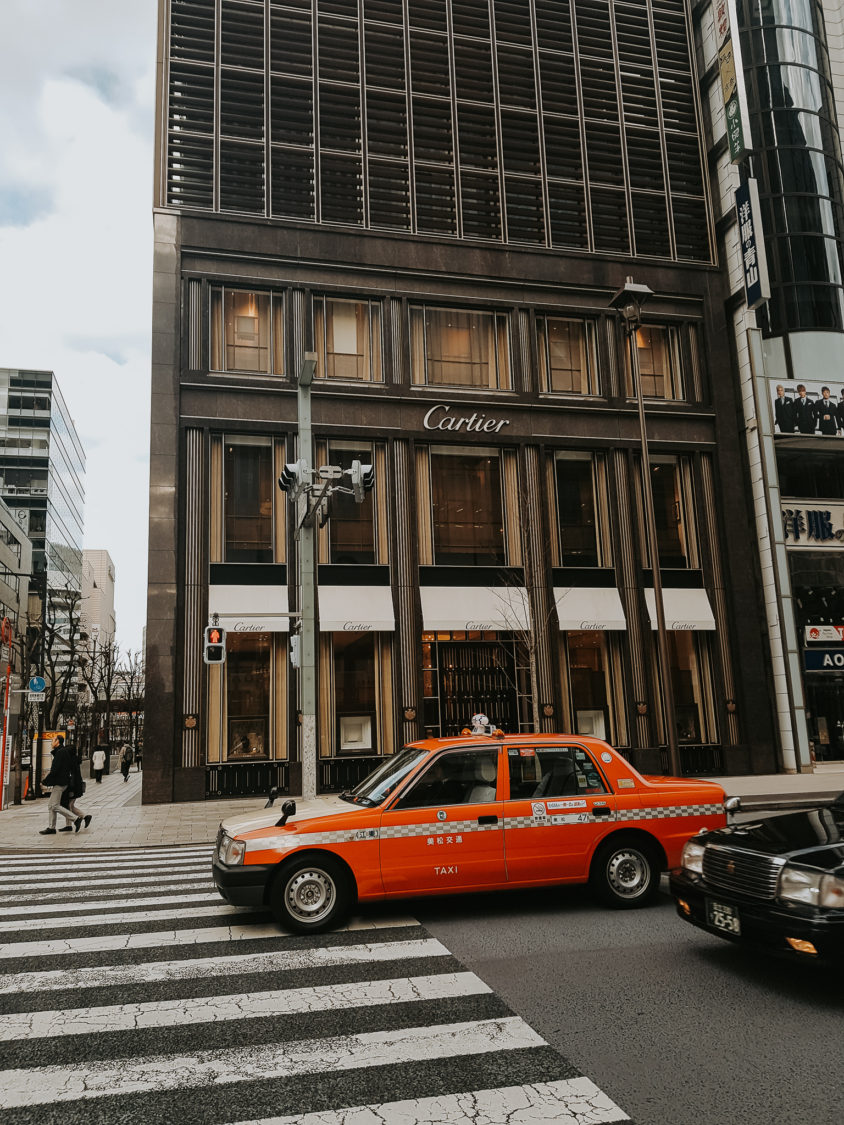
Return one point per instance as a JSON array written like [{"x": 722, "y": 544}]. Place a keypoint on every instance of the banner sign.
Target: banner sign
[
  {"x": 823, "y": 659},
  {"x": 757, "y": 288},
  {"x": 813, "y": 524},
  {"x": 824, "y": 633},
  {"x": 732, "y": 79}
]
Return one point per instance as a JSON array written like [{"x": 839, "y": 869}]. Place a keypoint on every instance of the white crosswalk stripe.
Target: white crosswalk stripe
[{"x": 109, "y": 1016}]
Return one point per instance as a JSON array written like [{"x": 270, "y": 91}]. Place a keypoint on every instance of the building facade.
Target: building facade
[
  {"x": 98, "y": 596},
  {"x": 440, "y": 198},
  {"x": 790, "y": 352},
  {"x": 15, "y": 568}
]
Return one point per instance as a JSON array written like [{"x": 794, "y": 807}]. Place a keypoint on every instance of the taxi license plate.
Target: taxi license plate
[{"x": 722, "y": 917}]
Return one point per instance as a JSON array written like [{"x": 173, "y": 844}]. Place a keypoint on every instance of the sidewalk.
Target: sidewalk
[{"x": 120, "y": 821}]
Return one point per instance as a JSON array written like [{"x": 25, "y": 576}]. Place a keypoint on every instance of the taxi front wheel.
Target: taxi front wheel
[
  {"x": 625, "y": 873},
  {"x": 309, "y": 896}
]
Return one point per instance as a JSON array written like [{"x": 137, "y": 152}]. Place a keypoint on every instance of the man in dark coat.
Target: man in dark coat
[
  {"x": 804, "y": 411},
  {"x": 57, "y": 780},
  {"x": 826, "y": 413},
  {"x": 784, "y": 411},
  {"x": 841, "y": 412}
]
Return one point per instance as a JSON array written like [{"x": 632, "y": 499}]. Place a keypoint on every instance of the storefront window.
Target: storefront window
[
  {"x": 455, "y": 348},
  {"x": 576, "y": 513},
  {"x": 247, "y": 331},
  {"x": 590, "y": 699},
  {"x": 689, "y": 677},
  {"x": 248, "y": 485},
  {"x": 355, "y": 692},
  {"x": 659, "y": 363},
  {"x": 348, "y": 339},
  {"x": 351, "y": 528},
  {"x": 465, "y": 673},
  {"x": 468, "y": 515},
  {"x": 669, "y": 512},
  {"x": 567, "y": 356},
  {"x": 247, "y": 671}
]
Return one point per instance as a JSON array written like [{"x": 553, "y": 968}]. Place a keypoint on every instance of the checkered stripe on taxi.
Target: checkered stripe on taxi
[
  {"x": 287, "y": 842},
  {"x": 553, "y": 820},
  {"x": 662, "y": 812}
]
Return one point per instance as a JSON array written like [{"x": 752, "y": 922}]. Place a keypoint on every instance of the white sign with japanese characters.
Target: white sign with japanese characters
[{"x": 813, "y": 524}]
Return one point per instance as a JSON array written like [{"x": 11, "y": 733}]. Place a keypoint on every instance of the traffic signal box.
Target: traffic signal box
[{"x": 214, "y": 645}]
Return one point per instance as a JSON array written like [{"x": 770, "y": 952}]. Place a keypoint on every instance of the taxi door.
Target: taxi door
[
  {"x": 446, "y": 833},
  {"x": 559, "y": 805}
]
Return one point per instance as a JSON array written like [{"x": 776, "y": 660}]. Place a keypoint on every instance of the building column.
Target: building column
[
  {"x": 408, "y": 612},
  {"x": 536, "y": 580},
  {"x": 192, "y": 663}
]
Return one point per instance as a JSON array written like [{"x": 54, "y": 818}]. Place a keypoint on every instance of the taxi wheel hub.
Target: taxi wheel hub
[
  {"x": 628, "y": 873},
  {"x": 310, "y": 894}
]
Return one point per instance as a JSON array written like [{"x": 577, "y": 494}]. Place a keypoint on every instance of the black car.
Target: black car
[{"x": 776, "y": 884}]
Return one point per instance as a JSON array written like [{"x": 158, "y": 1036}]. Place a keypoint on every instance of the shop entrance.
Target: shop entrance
[
  {"x": 825, "y": 714},
  {"x": 467, "y": 673}
]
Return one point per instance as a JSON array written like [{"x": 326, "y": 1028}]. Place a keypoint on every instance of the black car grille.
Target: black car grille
[{"x": 748, "y": 873}]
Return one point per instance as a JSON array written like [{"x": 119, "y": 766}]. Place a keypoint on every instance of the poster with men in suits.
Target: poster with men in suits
[{"x": 816, "y": 410}]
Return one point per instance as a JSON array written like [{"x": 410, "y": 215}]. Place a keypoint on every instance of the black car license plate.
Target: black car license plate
[{"x": 721, "y": 916}]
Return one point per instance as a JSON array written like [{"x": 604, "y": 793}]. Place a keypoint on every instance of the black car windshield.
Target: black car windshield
[{"x": 380, "y": 784}]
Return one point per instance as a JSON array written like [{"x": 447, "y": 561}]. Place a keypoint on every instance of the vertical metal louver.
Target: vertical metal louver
[{"x": 242, "y": 164}]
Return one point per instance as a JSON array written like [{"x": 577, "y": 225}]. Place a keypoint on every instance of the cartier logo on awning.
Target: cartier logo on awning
[{"x": 441, "y": 418}]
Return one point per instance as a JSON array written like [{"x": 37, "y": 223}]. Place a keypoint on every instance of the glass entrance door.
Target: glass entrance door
[
  {"x": 464, "y": 675},
  {"x": 825, "y": 714}
]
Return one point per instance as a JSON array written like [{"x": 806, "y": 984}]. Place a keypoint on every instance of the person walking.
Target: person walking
[
  {"x": 138, "y": 755},
  {"x": 57, "y": 780},
  {"x": 126, "y": 760},
  {"x": 98, "y": 761},
  {"x": 75, "y": 789}
]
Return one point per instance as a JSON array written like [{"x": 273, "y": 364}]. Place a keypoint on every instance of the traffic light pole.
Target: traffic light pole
[{"x": 306, "y": 535}]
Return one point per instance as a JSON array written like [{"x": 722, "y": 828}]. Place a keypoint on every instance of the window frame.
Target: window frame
[
  {"x": 589, "y": 348},
  {"x": 276, "y": 334},
  {"x": 375, "y": 312},
  {"x": 600, "y": 507},
  {"x": 437, "y": 450},
  {"x": 502, "y": 340},
  {"x": 248, "y": 440},
  {"x": 680, "y": 381}
]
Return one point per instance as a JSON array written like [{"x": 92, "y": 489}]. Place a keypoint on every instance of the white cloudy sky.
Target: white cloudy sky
[{"x": 77, "y": 95}]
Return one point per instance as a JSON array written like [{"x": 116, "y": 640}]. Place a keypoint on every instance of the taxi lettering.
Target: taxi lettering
[{"x": 445, "y": 870}]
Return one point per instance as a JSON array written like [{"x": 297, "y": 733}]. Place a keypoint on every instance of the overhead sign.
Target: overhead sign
[
  {"x": 757, "y": 287},
  {"x": 823, "y": 659},
  {"x": 824, "y": 633},
  {"x": 813, "y": 524},
  {"x": 732, "y": 79}
]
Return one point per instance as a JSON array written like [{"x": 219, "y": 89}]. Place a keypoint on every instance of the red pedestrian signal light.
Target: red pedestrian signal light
[{"x": 214, "y": 645}]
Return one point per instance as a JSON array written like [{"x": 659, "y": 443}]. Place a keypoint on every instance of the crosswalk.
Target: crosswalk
[{"x": 131, "y": 993}]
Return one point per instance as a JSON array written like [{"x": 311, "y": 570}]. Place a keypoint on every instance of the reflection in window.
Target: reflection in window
[
  {"x": 567, "y": 356},
  {"x": 348, "y": 339},
  {"x": 248, "y": 484},
  {"x": 454, "y": 348},
  {"x": 659, "y": 363},
  {"x": 576, "y": 509},
  {"x": 247, "y": 331},
  {"x": 588, "y": 670},
  {"x": 247, "y": 671},
  {"x": 669, "y": 512},
  {"x": 468, "y": 518},
  {"x": 351, "y": 528},
  {"x": 354, "y": 691},
  {"x": 689, "y": 669}
]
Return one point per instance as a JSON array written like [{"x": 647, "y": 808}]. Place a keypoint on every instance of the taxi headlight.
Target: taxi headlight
[
  {"x": 692, "y": 858},
  {"x": 231, "y": 852},
  {"x": 799, "y": 885},
  {"x": 831, "y": 893}
]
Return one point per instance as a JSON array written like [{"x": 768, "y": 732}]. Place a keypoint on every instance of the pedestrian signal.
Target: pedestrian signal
[{"x": 214, "y": 646}]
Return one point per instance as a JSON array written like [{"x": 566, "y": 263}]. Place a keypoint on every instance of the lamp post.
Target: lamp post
[
  {"x": 306, "y": 535},
  {"x": 628, "y": 303}
]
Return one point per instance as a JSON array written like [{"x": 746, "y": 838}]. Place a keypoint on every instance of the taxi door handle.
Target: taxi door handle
[
  {"x": 601, "y": 810},
  {"x": 487, "y": 820}
]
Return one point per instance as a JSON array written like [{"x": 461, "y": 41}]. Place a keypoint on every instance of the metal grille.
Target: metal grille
[
  {"x": 336, "y": 775},
  {"x": 750, "y": 873},
  {"x": 247, "y": 779}
]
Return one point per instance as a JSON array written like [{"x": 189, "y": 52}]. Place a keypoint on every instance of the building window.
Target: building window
[
  {"x": 247, "y": 331},
  {"x": 351, "y": 527},
  {"x": 247, "y": 672},
  {"x": 589, "y": 684},
  {"x": 355, "y": 692},
  {"x": 672, "y": 512},
  {"x": 455, "y": 348},
  {"x": 248, "y": 498},
  {"x": 468, "y": 516},
  {"x": 691, "y": 682},
  {"x": 659, "y": 363},
  {"x": 567, "y": 356},
  {"x": 348, "y": 339},
  {"x": 580, "y": 542}
]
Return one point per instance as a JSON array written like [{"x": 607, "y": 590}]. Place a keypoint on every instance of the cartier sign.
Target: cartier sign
[{"x": 441, "y": 418}]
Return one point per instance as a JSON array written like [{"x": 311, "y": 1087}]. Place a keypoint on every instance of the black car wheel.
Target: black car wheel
[
  {"x": 625, "y": 873},
  {"x": 311, "y": 895}
]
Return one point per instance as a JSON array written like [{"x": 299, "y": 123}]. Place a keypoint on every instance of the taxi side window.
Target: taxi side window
[
  {"x": 552, "y": 771},
  {"x": 464, "y": 778}
]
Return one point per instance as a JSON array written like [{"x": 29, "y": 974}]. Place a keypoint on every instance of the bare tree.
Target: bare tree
[
  {"x": 61, "y": 640},
  {"x": 131, "y": 689},
  {"x": 98, "y": 667}
]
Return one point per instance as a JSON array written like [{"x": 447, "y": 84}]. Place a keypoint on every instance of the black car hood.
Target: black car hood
[{"x": 814, "y": 837}]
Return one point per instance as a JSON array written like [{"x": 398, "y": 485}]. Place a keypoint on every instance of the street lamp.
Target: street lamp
[{"x": 628, "y": 303}]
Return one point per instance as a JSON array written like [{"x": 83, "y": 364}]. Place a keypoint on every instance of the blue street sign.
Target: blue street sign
[
  {"x": 823, "y": 659},
  {"x": 37, "y": 684}
]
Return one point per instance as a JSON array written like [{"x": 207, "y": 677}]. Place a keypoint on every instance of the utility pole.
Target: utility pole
[{"x": 306, "y": 535}]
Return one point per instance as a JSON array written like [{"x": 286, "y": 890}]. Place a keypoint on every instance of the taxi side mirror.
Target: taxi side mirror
[
  {"x": 287, "y": 809},
  {"x": 732, "y": 805},
  {"x": 273, "y": 793}
]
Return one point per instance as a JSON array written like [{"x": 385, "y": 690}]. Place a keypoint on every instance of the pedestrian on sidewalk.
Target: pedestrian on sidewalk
[
  {"x": 139, "y": 753},
  {"x": 74, "y": 790},
  {"x": 57, "y": 780},
  {"x": 98, "y": 761},
  {"x": 126, "y": 760}
]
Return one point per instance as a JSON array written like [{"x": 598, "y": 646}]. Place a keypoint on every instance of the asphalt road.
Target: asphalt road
[{"x": 675, "y": 1026}]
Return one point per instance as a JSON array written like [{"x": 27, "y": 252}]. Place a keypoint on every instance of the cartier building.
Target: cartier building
[{"x": 440, "y": 198}]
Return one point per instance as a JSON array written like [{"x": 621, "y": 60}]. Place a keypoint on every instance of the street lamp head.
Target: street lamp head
[{"x": 628, "y": 302}]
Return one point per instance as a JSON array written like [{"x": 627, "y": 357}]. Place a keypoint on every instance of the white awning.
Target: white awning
[
  {"x": 589, "y": 608},
  {"x": 686, "y": 610},
  {"x": 250, "y": 609},
  {"x": 356, "y": 609},
  {"x": 475, "y": 608}
]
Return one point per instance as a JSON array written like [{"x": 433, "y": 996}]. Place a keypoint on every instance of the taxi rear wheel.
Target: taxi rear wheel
[
  {"x": 625, "y": 873},
  {"x": 311, "y": 895}
]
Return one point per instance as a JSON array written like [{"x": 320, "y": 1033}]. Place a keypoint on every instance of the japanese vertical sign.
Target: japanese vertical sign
[
  {"x": 732, "y": 79},
  {"x": 752, "y": 245}
]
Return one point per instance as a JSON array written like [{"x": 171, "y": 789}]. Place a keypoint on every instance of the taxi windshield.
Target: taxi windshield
[{"x": 380, "y": 784}]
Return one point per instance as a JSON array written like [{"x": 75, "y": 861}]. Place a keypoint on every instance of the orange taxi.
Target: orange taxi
[{"x": 470, "y": 813}]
